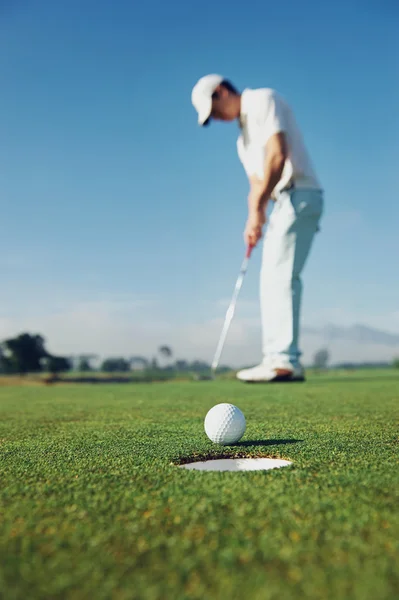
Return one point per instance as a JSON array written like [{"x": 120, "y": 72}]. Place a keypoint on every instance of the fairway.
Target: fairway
[{"x": 93, "y": 506}]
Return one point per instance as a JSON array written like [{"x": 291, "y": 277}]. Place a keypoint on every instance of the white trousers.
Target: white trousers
[{"x": 288, "y": 240}]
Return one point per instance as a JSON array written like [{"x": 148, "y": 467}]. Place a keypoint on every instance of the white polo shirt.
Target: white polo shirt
[{"x": 264, "y": 113}]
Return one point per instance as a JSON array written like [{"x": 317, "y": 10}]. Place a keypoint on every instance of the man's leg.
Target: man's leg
[{"x": 293, "y": 224}]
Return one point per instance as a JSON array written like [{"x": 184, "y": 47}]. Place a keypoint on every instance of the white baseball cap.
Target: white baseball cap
[{"x": 201, "y": 96}]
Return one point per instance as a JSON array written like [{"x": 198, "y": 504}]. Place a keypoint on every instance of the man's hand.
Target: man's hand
[{"x": 253, "y": 228}]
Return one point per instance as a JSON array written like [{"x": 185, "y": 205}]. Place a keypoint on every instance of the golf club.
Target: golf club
[{"x": 230, "y": 310}]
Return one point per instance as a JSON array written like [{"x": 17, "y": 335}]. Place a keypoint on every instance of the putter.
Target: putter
[{"x": 230, "y": 310}]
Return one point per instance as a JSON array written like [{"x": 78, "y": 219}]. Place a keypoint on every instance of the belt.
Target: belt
[{"x": 299, "y": 185}]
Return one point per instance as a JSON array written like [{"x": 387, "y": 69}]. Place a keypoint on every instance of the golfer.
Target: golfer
[{"x": 273, "y": 154}]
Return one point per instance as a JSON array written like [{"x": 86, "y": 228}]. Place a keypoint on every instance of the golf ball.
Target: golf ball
[{"x": 224, "y": 424}]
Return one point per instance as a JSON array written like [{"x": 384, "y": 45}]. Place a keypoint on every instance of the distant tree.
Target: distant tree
[
  {"x": 83, "y": 365},
  {"x": 165, "y": 351},
  {"x": 85, "y": 362},
  {"x": 321, "y": 358},
  {"x": 113, "y": 365},
  {"x": 4, "y": 362},
  {"x": 24, "y": 353},
  {"x": 166, "y": 354},
  {"x": 57, "y": 364},
  {"x": 73, "y": 360},
  {"x": 181, "y": 365},
  {"x": 224, "y": 369},
  {"x": 154, "y": 364},
  {"x": 396, "y": 363},
  {"x": 199, "y": 366},
  {"x": 138, "y": 362}
]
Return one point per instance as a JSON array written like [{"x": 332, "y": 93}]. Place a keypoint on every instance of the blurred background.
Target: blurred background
[{"x": 121, "y": 222}]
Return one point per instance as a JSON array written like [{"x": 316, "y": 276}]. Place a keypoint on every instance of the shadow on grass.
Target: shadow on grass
[
  {"x": 267, "y": 442},
  {"x": 233, "y": 451}
]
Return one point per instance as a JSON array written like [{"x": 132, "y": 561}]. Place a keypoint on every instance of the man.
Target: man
[{"x": 274, "y": 156}]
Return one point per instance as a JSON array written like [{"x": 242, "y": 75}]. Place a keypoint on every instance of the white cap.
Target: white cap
[{"x": 201, "y": 96}]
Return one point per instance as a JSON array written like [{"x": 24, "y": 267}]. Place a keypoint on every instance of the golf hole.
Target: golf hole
[{"x": 237, "y": 464}]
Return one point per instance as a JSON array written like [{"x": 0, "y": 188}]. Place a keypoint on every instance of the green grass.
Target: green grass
[{"x": 91, "y": 505}]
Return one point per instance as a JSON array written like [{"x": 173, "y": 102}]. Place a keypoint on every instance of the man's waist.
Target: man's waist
[{"x": 304, "y": 183}]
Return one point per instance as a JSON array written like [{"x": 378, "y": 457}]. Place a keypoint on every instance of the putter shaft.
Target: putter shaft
[{"x": 231, "y": 309}]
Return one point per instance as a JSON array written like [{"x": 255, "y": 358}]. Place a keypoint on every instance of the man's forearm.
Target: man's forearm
[{"x": 261, "y": 191}]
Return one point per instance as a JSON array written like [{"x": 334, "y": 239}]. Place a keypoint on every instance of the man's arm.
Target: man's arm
[{"x": 261, "y": 190}]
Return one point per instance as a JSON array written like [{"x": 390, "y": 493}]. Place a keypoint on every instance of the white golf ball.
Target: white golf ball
[{"x": 225, "y": 424}]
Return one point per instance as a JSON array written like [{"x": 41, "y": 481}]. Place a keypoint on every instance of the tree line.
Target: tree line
[{"x": 27, "y": 353}]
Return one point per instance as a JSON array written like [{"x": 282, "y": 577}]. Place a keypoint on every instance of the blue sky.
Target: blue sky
[{"x": 122, "y": 220}]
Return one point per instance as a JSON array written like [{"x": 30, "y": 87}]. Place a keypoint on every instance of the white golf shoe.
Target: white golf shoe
[{"x": 268, "y": 373}]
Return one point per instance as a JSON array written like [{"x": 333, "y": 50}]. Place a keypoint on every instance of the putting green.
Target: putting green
[{"x": 93, "y": 505}]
